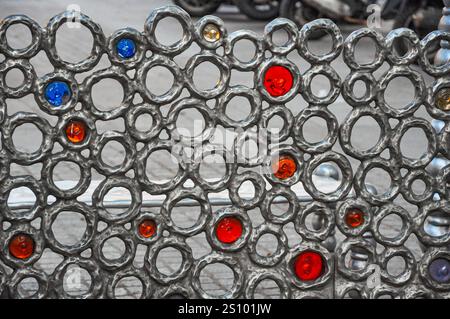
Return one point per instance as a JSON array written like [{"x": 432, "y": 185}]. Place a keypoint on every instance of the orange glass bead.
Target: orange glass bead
[
  {"x": 21, "y": 246},
  {"x": 354, "y": 217},
  {"x": 147, "y": 228},
  {"x": 76, "y": 131},
  {"x": 285, "y": 167}
]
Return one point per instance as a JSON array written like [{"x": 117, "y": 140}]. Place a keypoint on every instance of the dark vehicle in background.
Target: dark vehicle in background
[
  {"x": 259, "y": 9},
  {"x": 422, "y": 16},
  {"x": 254, "y": 9},
  {"x": 199, "y": 8}
]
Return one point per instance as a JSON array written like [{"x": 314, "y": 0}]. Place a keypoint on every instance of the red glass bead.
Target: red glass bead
[
  {"x": 229, "y": 229},
  {"x": 354, "y": 217},
  {"x": 76, "y": 131},
  {"x": 278, "y": 80},
  {"x": 308, "y": 266},
  {"x": 21, "y": 246},
  {"x": 285, "y": 167},
  {"x": 147, "y": 228}
]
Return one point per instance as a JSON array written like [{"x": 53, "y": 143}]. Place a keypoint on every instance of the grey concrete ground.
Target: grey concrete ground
[{"x": 74, "y": 44}]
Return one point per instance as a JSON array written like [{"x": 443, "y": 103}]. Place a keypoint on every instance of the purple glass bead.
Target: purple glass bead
[{"x": 439, "y": 270}]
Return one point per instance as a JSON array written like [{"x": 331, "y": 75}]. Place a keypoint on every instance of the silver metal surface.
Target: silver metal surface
[{"x": 360, "y": 254}]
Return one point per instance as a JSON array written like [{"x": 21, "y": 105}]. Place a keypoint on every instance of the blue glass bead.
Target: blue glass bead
[
  {"x": 439, "y": 270},
  {"x": 126, "y": 48},
  {"x": 57, "y": 93}
]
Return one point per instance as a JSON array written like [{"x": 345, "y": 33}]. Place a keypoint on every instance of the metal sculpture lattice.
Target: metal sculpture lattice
[{"x": 309, "y": 269}]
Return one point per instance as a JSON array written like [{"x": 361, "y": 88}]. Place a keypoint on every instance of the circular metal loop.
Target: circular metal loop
[
  {"x": 320, "y": 25},
  {"x": 345, "y": 132},
  {"x": 350, "y": 48},
  {"x": 50, "y": 215},
  {"x": 18, "y": 119},
  {"x": 200, "y": 156},
  {"x": 346, "y": 247},
  {"x": 258, "y": 183},
  {"x": 273, "y": 275},
  {"x": 407, "y": 186},
  {"x": 425, "y": 44},
  {"x": 115, "y": 182},
  {"x": 89, "y": 265},
  {"x": 391, "y": 167},
  {"x": 217, "y": 258},
  {"x": 160, "y": 187},
  {"x": 326, "y": 216},
  {"x": 408, "y": 272},
  {"x": 152, "y": 255},
  {"x": 346, "y": 182},
  {"x": 292, "y": 33},
  {"x": 419, "y": 86},
  {"x": 401, "y": 129},
  {"x": 285, "y": 114},
  {"x": 98, "y": 42},
  {"x": 28, "y": 78},
  {"x": 349, "y": 84},
  {"x": 243, "y": 153},
  {"x": 36, "y": 37},
  {"x": 96, "y": 77},
  {"x": 424, "y": 235},
  {"x": 402, "y": 34},
  {"x": 222, "y": 83},
  {"x": 177, "y": 86},
  {"x": 209, "y": 119},
  {"x": 332, "y": 127},
  {"x": 128, "y": 254},
  {"x": 182, "y": 17},
  {"x": 278, "y": 191},
  {"x": 177, "y": 196},
  {"x": 21, "y": 274},
  {"x": 139, "y": 274},
  {"x": 271, "y": 259},
  {"x": 234, "y": 38},
  {"x": 255, "y": 107},
  {"x": 99, "y": 144},
  {"x": 38, "y": 189},
  {"x": 335, "y": 85},
  {"x": 404, "y": 232},
  {"x": 156, "y": 124},
  {"x": 67, "y": 156}
]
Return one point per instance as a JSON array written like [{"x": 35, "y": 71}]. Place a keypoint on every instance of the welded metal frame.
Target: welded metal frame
[{"x": 249, "y": 268}]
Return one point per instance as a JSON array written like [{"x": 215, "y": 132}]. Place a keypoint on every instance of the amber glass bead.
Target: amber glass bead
[
  {"x": 285, "y": 167},
  {"x": 76, "y": 131}
]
